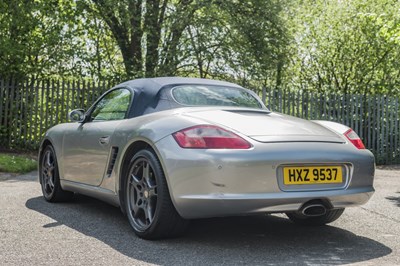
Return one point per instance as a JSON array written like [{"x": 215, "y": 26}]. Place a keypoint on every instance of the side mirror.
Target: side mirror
[{"x": 77, "y": 115}]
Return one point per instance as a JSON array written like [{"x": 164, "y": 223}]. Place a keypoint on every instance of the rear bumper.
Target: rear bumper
[
  {"x": 201, "y": 206},
  {"x": 212, "y": 183}
]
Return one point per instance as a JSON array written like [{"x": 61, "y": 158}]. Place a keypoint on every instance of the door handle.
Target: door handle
[{"x": 104, "y": 140}]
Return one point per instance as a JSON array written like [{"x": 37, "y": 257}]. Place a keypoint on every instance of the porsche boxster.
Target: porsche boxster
[{"x": 167, "y": 150}]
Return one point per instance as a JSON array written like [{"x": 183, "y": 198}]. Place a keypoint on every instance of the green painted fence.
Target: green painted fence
[{"x": 30, "y": 107}]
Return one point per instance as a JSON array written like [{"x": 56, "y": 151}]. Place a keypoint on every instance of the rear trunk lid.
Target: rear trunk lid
[{"x": 264, "y": 126}]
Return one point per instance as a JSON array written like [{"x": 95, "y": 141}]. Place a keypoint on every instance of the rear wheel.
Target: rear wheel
[
  {"x": 148, "y": 204},
  {"x": 328, "y": 217},
  {"x": 50, "y": 179}
]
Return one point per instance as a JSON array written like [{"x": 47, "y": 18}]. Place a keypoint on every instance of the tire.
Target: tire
[
  {"x": 50, "y": 178},
  {"x": 328, "y": 217},
  {"x": 148, "y": 204}
]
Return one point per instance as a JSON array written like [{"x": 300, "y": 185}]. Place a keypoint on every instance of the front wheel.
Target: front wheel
[
  {"x": 328, "y": 217},
  {"x": 148, "y": 204},
  {"x": 50, "y": 179}
]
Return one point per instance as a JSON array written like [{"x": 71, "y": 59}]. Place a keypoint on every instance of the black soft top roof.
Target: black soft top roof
[
  {"x": 147, "y": 89},
  {"x": 151, "y": 86}
]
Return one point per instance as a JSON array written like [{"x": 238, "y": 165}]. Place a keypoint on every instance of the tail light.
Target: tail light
[
  {"x": 354, "y": 138},
  {"x": 209, "y": 137}
]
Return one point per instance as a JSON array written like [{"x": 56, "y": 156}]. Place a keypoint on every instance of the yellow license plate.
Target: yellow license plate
[{"x": 308, "y": 175}]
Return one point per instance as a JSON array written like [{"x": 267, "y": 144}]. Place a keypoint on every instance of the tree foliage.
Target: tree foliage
[
  {"x": 348, "y": 46},
  {"x": 238, "y": 40},
  {"x": 192, "y": 37},
  {"x": 54, "y": 38}
]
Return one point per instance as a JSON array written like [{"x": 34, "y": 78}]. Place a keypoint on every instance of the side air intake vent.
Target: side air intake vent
[{"x": 113, "y": 157}]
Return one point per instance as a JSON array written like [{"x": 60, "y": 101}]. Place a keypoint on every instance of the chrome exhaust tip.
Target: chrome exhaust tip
[{"x": 313, "y": 210}]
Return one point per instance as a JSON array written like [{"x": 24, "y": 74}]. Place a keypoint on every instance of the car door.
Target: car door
[{"x": 86, "y": 148}]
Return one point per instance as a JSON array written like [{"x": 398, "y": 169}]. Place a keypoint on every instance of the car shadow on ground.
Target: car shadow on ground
[
  {"x": 395, "y": 200},
  {"x": 266, "y": 240}
]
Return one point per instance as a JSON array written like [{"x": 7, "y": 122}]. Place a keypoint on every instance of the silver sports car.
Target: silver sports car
[{"x": 167, "y": 150}]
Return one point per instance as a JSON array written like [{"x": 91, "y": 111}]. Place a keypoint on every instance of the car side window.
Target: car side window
[{"x": 113, "y": 106}]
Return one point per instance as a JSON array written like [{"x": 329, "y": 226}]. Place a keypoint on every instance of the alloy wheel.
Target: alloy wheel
[
  {"x": 48, "y": 172},
  {"x": 142, "y": 194}
]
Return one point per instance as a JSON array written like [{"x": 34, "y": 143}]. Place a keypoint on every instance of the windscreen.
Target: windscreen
[{"x": 201, "y": 95}]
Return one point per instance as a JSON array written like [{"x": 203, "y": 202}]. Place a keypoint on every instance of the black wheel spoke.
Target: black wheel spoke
[
  {"x": 51, "y": 183},
  {"x": 146, "y": 173},
  {"x": 48, "y": 159},
  {"x": 136, "y": 210},
  {"x": 51, "y": 168},
  {"x": 149, "y": 214},
  {"x": 45, "y": 178},
  {"x": 134, "y": 180},
  {"x": 132, "y": 197}
]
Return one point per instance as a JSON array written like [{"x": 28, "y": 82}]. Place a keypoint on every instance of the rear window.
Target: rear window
[{"x": 200, "y": 95}]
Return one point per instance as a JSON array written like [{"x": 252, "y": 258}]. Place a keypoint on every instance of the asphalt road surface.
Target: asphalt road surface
[{"x": 90, "y": 232}]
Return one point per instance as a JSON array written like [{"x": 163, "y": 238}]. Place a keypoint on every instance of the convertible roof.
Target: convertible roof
[
  {"x": 153, "y": 85},
  {"x": 146, "y": 89}
]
